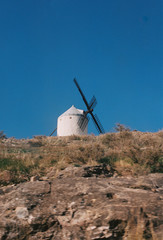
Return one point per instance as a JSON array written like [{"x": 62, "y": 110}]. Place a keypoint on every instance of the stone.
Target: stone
[
  {"x": 21, "y": 212},
  {"x": 34, "y": 178},
  {"x": 76, "y": 207}
]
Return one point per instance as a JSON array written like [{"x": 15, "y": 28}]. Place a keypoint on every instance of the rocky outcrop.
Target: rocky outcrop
[{"x": 83, "y": 203}]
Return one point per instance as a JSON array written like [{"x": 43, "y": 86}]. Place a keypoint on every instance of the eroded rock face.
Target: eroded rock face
[{"x": 83, "y": 206}]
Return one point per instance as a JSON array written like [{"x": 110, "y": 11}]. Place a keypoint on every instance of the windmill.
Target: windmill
[
  {"x": 90, "y": 107},
  {"x": 75, "y": 121}
]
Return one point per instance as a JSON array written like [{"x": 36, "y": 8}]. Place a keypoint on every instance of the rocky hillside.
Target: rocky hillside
[
  {"x": 83, "y": 203},
  {"x": 82, "y": 188}
]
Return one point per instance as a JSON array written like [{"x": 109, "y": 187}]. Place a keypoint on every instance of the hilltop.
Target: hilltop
[{"x": 127, "y": 152}]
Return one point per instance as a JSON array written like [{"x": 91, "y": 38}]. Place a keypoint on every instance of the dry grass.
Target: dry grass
[{"x": 127, "y": 152}]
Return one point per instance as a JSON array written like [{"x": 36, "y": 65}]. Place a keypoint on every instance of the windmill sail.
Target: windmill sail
[
  {"x": 83, "y": 121},
  {"x": 84, "y": 99},
  {"x": 93, "y": 102},
  {"x": 90, "y": 107},
  {"x": 97, "y": 123}
]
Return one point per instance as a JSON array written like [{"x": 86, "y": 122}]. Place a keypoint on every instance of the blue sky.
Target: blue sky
[{"x": 113, "y": 47}]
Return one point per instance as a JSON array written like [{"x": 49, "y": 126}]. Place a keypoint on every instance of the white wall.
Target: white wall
[{"x": 68, "y": 125}]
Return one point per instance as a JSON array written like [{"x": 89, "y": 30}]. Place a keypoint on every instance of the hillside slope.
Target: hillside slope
[{"x": 82, "y": 188}]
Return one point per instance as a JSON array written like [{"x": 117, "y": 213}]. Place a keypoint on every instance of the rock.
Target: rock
[
  {"x": 88, "y": 171},
  {"x": 34, "y": 178},
  {"x": 21, "y": 212},
  {"x": 34, "y": 188},
  {"x": 83, "y": 203}
]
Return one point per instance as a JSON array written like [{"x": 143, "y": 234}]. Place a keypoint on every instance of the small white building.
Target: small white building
[{"x": 69, "y": 123}]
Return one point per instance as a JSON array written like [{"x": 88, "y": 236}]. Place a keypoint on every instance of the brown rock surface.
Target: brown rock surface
[{"x": 83, "y": 203}]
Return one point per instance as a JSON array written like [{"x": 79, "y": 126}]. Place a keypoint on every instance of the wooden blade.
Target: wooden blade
[
  {"x": 84, "y": 99},
  {"x": 83, "y": 121},
  {"x": 92, "y": 103},
  {"x": 97, "y": 123}
]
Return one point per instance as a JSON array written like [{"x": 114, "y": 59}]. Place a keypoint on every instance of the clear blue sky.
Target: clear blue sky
[{"x": 113, "y": 47}]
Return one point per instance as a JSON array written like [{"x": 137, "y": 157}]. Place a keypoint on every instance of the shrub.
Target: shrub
[
  {"x": 2, "y": 135},
  {"x": 121, "y": 128}
]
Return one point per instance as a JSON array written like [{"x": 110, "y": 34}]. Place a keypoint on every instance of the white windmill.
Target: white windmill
[
  {"x": 67, "y": 123},
  {"x": 75, "y": 121}
]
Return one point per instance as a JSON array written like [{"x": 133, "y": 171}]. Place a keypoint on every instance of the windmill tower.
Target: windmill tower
[
  {"x": 68, "y": 123},
  {"x": 75, "y": 121}
]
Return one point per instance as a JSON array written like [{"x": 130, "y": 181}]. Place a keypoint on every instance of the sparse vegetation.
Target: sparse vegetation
[
  {"x": 2, "y": 135},
  {"x": 128, "y": 152},
  {"x": 121, "y": 127}
]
